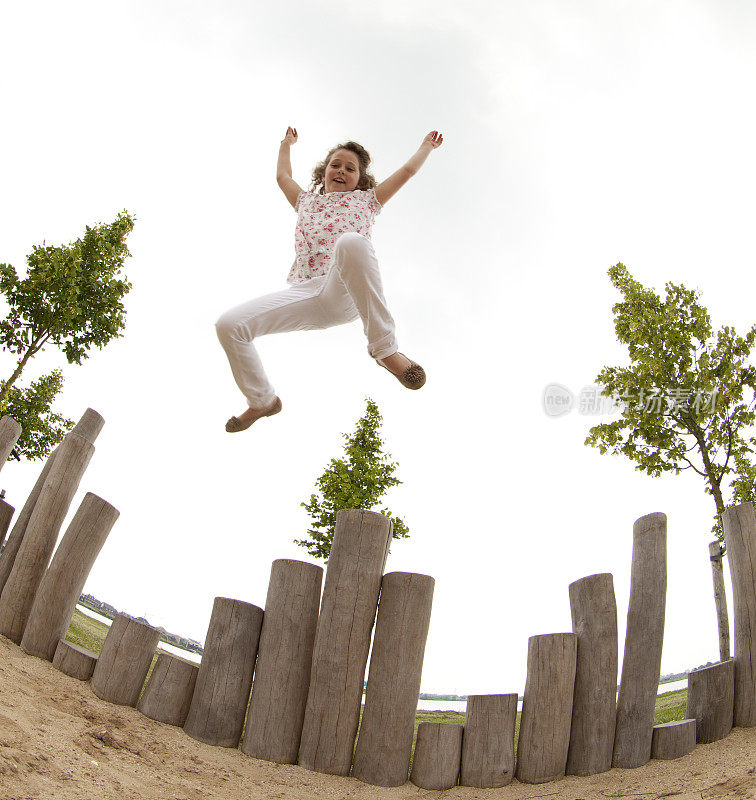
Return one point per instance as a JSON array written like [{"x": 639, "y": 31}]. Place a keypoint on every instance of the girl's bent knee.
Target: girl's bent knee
[
  {"x": 352, "y": 242},
  {"x": 227, "y": 327}
]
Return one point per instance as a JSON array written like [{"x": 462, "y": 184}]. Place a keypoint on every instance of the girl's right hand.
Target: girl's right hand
[{"x": 291, "y": 136}]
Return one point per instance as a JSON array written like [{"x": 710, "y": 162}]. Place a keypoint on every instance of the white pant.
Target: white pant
[{"x": 352, "y": 288}]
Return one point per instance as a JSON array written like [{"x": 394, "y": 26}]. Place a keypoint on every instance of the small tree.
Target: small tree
[
  {"x": 358, "y": 480},
  {"x": 71, "y": 297},
  {"x": 689, "y": 398}
]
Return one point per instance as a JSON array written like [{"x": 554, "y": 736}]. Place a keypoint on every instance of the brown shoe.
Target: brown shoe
[
  {"x": 413, "y": 377},
  {"x": 235, "y": 425}
]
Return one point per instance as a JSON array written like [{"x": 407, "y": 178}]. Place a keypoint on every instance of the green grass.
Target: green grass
[{"x": 90, "y": 633}]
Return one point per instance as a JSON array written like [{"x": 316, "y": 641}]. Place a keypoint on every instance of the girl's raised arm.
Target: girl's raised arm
[
  {"x": 388, "y": 188},
  {"x": 288, "y": 185}
]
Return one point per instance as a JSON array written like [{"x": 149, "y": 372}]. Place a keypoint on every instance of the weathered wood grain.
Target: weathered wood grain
[
  {"x": 711, "y": 700},
  {"x": 62, "y": 482},
  {"x": 61, "y": 586},
  {"x": 644, "y": 637},
  {"x": 10, "y": 430},
  {"x": 221, "y": 694},
  {"x": 282, "y": 676},
  {"x": 720, "y": 599},
  {"x": 739, "y": 523},
  {"x": 87, "y": 427},
  {"x": 488, "y": 741},
  {"x": 546, "y": 708},
  {"x": 384, "y": 745},
  {"x": 168, "y": 693},
  {"x": 75, "y": 661},
  {"x": 6, "y": 515},
  {"x": 342, "y": 640},
  {"x": 438, "y": 752},
  {"x": 124, "y": 660},
  {"x": 594, "y": 705},
  {"x": 10, "y": 551},
  {"x": 673, "y": 739}
]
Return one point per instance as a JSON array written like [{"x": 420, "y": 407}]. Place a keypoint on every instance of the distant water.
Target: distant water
[
  {"x": 461, "y": 705},
  {"x": 424, "y": 705}
]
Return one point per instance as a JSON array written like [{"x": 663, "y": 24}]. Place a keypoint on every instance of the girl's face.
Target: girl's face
[{"x": 342, "y": 174}]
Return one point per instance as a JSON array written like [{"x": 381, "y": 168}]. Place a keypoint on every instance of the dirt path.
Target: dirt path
[{"x": 58, "y": 740}]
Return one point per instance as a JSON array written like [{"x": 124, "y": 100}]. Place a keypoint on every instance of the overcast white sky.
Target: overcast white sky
[{"x": 575, "y": 136}]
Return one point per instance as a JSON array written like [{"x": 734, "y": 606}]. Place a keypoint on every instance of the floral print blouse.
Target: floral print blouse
[{"x": 322, "y": 218}]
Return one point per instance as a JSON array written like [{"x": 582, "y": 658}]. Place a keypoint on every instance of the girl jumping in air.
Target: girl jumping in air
[{"x": 335, "y": 276}]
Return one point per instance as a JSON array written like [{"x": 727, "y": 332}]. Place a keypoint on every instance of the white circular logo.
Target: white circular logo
[{"x": 557, "y": 400}]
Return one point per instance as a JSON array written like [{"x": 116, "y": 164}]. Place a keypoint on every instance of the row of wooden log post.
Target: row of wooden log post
[{"x": 308, "y": 654}]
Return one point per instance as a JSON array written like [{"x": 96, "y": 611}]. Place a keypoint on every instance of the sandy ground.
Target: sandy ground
[{"x": 58, "y": 740}]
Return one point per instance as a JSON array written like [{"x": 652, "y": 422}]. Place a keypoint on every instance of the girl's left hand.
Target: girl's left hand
[{"x": 434, "y": 139}]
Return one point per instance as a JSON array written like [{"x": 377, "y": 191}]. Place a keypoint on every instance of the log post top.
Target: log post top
[
  {"x": 567, "y": 636},
  {"x": 735, "y": 517},
  {"x": 398, "y": 576},
  {"x": 650, "y": 521},
  {"x": 712, "y": 667},
  {"x": 748, "y": 505},
  {"x": 599, "y": 577},
  {"x": 308, "y": 565},
  {"x": 128, "y": 618},
  {"x": 89, "y": 426}
]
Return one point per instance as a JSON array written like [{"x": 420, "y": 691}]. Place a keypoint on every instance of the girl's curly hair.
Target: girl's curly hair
[{"x": 366, "y": 181}]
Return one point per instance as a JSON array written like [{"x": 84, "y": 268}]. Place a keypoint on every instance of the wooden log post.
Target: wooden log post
[
  {"x": 711, "y": 700},
  {"x": 673, "y": 739},
  {"x": 124, "y": 660},
  {"x": 547, "y": 708},
  {"x": 10, "y": 430},
  {"x": 6, "y": 515},
  {"x": 60, "y": 588},
  {"x": 644, "y": 637},
  {"x": 739, "y": 523},
  {"x": 78, "y": 662},
  {"x": 282, "y": 676},
  {"x": 38, "y": 542},
  {"x": 594, "y": 705},
  {"x": 10, "y": 551},
  {"x": 384, "y": 745},
  {"x": 342, "y": 640},
  {"x": 488, "y": 741},
  {"x": 716, "y": 554},
  {"x": 88, "y": 427},
  {"x": 438, "y": 752},
  {"x": 168, "y": 693},
  {"x": 221, "y": 694}
]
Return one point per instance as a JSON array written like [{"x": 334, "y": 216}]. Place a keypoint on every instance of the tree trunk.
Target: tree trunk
[
  {"x": 711, "y": 700},
  {"x": 221, "y": 693},
  {"x": 10, "y": 430},
  {"x": 673, "y": 739},
  {"x": 644, "y": 638},
  {"x": 61, "y": 585},
  {"x": 739, "y": 525},
  {"x": 384, "y": 746},
  {"x": 282, "y": 675},
  {"x": 438, "y": 753},
  {"x": 39, "y": 540},
  {"x": 594, "y": 705},
  {"x": 342, "y": 640},
  {"x": 716, "y": 553},
  {"x": 546, "y": 718},
  {"x": 488, "y": 741},
  {"x": 124, "y": 660}
]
